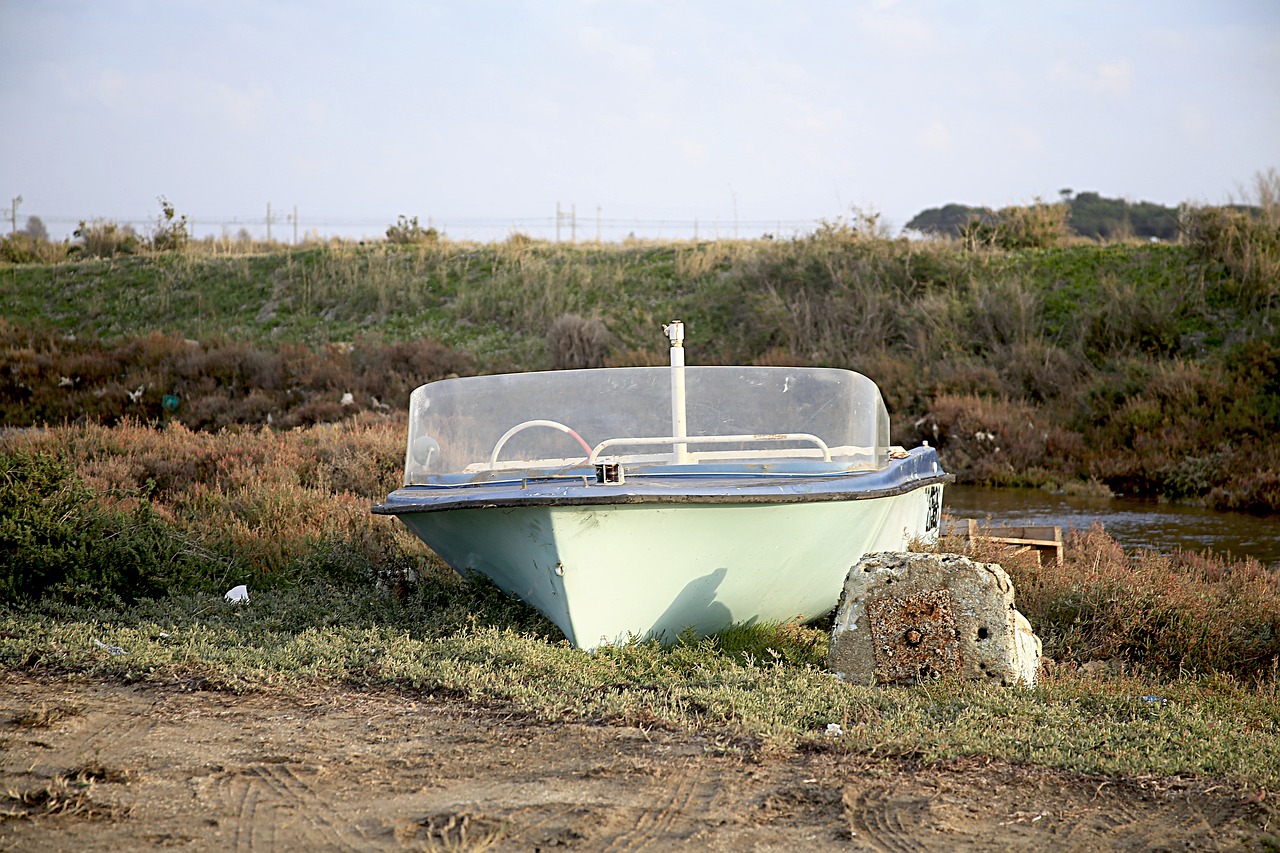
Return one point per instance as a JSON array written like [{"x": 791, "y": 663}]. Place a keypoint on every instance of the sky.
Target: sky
[{"x": 716, "y": 117}]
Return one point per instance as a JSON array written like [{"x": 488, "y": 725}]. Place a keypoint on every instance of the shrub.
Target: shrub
[
  {"x": 1242, "y": 239},
  {"x": 1035, "y": 226},
  {"x": 23, "y": 248},
  {"x": 170, "y": 233},
  {"x": 194, "y": 510},
  {"x": 574, "y": 342},
  {"x": 408, "y": 230},
  {"x": 55, "y": 539},
  {"x": 1169, "y": 612},
  {"x": 102, "y": 239},
  {"x": 46, "y": 378}
]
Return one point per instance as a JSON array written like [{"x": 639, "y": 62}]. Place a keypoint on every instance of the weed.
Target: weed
[
  {"x": 61, "y": 797},
  {"x": 456, "y": 833},
  {"x": 44, "y": 716}
]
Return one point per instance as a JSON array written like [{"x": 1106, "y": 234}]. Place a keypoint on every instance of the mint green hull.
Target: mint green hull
[{"x": 608, "y": 574}]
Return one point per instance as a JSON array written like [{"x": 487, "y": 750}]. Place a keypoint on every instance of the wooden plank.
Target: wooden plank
[{"x": 1044, "y": 539}]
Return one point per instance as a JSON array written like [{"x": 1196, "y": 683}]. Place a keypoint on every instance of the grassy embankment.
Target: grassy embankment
[{"x": 1146, "y": 369}]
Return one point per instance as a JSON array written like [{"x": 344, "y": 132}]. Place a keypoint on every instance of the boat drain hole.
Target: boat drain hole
[{"x": 982, "y": 633}]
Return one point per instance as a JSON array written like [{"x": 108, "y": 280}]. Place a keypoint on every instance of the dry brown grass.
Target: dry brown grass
[
  {"x": 1169, "y": 613},
  {"x": 265, "y": 500},
  {"x": 44, "y": 716},
  {"x": 62, "y": 796}
]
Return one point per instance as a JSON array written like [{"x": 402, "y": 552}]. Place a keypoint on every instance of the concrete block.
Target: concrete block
[{"x": 905, "y": 618}]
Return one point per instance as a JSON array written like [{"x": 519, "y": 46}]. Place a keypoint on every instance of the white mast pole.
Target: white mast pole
[{"x": 679, "y": 427}]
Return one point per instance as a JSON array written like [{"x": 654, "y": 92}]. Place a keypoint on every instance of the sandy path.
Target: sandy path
[{"x": 336, "y": 769}]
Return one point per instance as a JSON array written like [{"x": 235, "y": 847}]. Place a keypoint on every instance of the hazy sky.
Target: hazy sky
[{"x": 481, "y": 115}]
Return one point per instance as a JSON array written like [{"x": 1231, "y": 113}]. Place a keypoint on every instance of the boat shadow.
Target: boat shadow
[{"x": 694, "y": 609}]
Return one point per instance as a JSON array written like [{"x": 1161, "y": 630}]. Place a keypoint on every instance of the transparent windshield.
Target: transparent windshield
[{"x": 482, "y": 428}]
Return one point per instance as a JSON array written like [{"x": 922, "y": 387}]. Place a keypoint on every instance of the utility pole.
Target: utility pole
[
  {"x": 274, "y": 217},
  {"x": 597, "y": 223},
  {"x": 13, "y": 216},
  {"x": 293, "y": 217},
  {"x": 572, "y": 217}
]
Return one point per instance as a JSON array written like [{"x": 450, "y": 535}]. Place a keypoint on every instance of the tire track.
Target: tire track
[
  {"x": 1142, "y": 824},
  {"x": 99, "y": 733},
  {"x": 887, "y": 820},
  {"x": 674, "y": 802},
  {"x": 272, "y": 802},
  {"x": 250, "y": 832}
]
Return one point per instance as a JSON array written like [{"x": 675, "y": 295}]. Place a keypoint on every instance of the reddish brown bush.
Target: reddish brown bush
[
  {"x": 1168, "y": 612},
  {"x": 46, "y": 378}
]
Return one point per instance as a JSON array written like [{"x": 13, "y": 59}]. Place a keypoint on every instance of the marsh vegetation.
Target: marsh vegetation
[{"x": 189, "y": 419}]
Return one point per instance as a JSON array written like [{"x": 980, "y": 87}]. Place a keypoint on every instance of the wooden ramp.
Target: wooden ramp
[{"x": 1042, "y": 540}]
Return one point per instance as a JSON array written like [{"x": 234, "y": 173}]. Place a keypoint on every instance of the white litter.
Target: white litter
[
  {"x": 348, "y": 399},
  {"x": 834, "y": 730},
  {"x": 238, "y": 594},
  {"x": 111, "y": 650}
]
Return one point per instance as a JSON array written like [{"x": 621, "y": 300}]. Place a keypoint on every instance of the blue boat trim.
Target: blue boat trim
[{"x": 919, "y": 469}]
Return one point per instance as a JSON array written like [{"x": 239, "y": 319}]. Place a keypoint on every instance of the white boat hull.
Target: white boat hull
[{"x": 607, "y": 574}]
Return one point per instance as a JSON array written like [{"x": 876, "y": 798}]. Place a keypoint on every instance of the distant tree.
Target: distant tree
[
  {"x": 1091, "y": 215},
  {"x": 1115, "y": 219},
  {"x": 950, "y": 220},
  {"x": 35, "y": 229}
]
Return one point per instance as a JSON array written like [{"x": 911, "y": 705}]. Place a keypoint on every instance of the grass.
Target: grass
[
  {"x": 779, "y": 697},
  {"x": 342, "y": 598}
]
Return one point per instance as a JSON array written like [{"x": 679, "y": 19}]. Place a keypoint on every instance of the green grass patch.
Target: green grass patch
[{"x": 765, "y": 686}]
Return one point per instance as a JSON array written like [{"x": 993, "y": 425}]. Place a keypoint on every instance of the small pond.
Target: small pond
[{"x": 1133, "y": 522}]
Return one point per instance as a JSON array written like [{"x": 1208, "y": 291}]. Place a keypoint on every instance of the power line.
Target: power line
[{"x": 464, "y": 227}]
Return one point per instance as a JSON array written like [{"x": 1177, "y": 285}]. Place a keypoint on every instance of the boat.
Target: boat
[{"x": 629, "y": 503}]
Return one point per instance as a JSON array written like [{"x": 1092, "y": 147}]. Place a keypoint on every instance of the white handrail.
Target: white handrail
[
  {"x": 712, "y": 439},
  {"x": 497, "y": 448}
]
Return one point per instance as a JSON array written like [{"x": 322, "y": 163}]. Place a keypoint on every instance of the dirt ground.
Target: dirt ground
[{"x": 336, "y": 769}]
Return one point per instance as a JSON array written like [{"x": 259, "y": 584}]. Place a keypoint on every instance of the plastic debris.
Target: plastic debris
[
  {"x": 834, "y": 730},
  {"x": 111, "y": 650},
  {"x": 1155, "y": 700},
  {"x": 348, "y": 399},
  {"x": 238, "y": 594}
]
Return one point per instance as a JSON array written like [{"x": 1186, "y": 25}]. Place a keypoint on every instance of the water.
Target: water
[{"x": 1134, "y": 523}]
